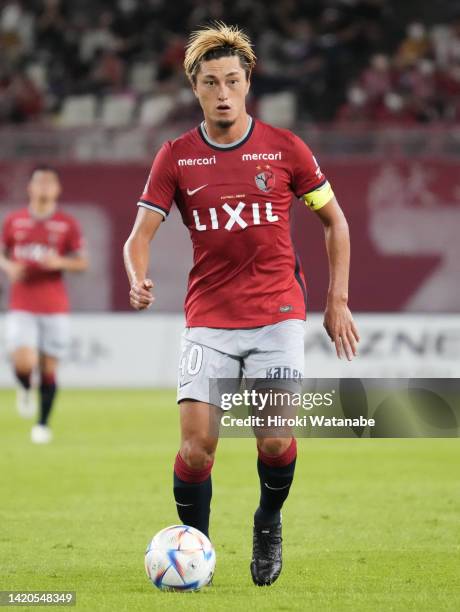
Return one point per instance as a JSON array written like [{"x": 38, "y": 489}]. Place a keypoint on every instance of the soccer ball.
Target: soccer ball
[{"x": 180, "y": 558}]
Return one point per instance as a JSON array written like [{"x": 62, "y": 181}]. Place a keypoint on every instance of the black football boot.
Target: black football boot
[{"x": 266, "y": 554}]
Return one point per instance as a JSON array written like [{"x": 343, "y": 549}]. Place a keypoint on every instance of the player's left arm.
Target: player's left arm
[
  {"x": 338, "y": 320},
  {"x": 310, "y": 184}
]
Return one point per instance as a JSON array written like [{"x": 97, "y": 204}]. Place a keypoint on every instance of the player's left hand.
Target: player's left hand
[
  {"x": 141, "y": 296},
  {"x": 52, "y": 262},
  {"x": 341, "y": 329}
]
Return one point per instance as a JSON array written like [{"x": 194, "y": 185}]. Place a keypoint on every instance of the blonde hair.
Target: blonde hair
[{"x": 215, "y": 41}]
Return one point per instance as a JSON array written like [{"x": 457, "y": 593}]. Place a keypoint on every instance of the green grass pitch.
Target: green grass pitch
[{"x": 369, "y": 525}]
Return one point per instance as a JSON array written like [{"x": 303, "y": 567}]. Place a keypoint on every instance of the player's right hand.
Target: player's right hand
[
  {"x": 140, "y": 296},
  {"x": 15, "y": 271}
]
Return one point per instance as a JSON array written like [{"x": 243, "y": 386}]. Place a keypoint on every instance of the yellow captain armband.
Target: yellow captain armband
[{"x": 320, "y": 196}]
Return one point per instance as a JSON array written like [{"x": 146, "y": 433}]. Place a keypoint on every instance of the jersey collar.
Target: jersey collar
[
  {"x": 231, "y": 145},
  {"x": 45, "y": 217}
]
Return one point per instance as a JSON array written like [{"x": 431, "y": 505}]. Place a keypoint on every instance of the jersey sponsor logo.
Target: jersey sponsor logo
[
  {"x": 33, "y": 251},
  {"x": 260, "y": 156},
  {"x": 229, "y": 217},
  {"x": 197, "y": 161},
  {"x": 191, "y": 192},
  {"x": 57, "y": 226},
  {"x": 265, "y": 178},
  {"x": 23, "y": 222}
]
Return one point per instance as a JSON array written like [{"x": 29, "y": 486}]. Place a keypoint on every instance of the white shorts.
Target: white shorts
[
  {"x": 46, "y": 333},
  {"x": 261, "y": 354}
]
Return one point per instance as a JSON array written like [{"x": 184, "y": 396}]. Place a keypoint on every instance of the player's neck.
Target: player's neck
[
  {"x": 227, "y": 135},
  {"x": 41, "y": 209}
]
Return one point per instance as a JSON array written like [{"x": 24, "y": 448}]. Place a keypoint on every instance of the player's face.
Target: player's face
[
  {"x": 221, "y": 88},
  {"x": 44, "y": 186}
]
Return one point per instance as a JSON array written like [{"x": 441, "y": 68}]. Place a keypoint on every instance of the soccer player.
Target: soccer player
[
  {"x": 233, "y": 179},
  {"x": 38, "y": 244}
]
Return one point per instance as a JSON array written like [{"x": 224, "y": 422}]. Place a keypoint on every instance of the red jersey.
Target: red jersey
[
  {"x": 29, "y": 240},
  {"x": 235, "y": 201}
]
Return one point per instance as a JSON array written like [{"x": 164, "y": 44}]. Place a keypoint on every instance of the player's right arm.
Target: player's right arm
[
  {"x": 14, "y": 270},
  {"x": 136, "y": 256},
  {"x": 154, "y": 206}
]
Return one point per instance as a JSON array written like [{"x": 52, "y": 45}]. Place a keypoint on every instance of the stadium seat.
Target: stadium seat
[
  {"x": 155, "y": 110},
  {"x": 278, "y": 109},
  {"x": 78, "y": 111},
  {"x": 142, "y": 76},
  {"x": 128, "y": 145},
  {"x": 117, "y": 110}
]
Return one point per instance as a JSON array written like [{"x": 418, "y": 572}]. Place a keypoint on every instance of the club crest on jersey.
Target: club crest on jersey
[{"x": 265, "y": 179}]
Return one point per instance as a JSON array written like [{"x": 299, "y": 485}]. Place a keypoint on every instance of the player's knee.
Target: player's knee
[
  {"x": 47, "y": 372},
  {"x": 273, "y": 446},
  {"x": 197, "y": 454},
  {"x": 47, "y": 366},
  {"x": 23, "y": 370},
  {"x": 24, "y": 363}
]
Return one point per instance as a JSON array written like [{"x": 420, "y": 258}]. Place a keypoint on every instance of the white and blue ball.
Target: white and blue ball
[{"x": 180, "y": 558}]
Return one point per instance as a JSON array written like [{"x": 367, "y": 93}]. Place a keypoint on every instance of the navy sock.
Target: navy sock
[
  {"x": 48, "y": 390},
  {"x": 193, "y": 499},
  {"x": 193, "y": 502},
  {"x": 276, "y": 475},
  {"x": 23, "y": 379}
]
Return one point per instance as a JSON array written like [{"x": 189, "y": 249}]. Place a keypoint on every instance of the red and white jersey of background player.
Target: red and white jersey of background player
[
  {"x": 235, "y": 200},
  {"x": 29, "y": 240}
]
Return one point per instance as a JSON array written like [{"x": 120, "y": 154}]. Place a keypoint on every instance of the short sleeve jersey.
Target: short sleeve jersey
[
  {"x": 28, "y": 240},
  {"x": 235, "y": 201}
]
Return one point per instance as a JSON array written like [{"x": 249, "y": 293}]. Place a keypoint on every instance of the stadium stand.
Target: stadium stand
[{"x": 54, "y": 51}]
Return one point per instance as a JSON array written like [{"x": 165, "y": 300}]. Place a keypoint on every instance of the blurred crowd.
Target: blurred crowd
[
  {"x": 418, "y": 83},
  {"x": 317, "y": 49}
]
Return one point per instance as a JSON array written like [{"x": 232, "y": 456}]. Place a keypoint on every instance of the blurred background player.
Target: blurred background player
[
  {"x": 39, "y": 243},
  {"x": 246, "y": 300}
]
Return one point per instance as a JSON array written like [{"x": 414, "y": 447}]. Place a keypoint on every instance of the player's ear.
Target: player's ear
[
  {"x": 193, "y": 84},
  {"x": 194, "y": 90},
  {"x": 248, "y": 84}
]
